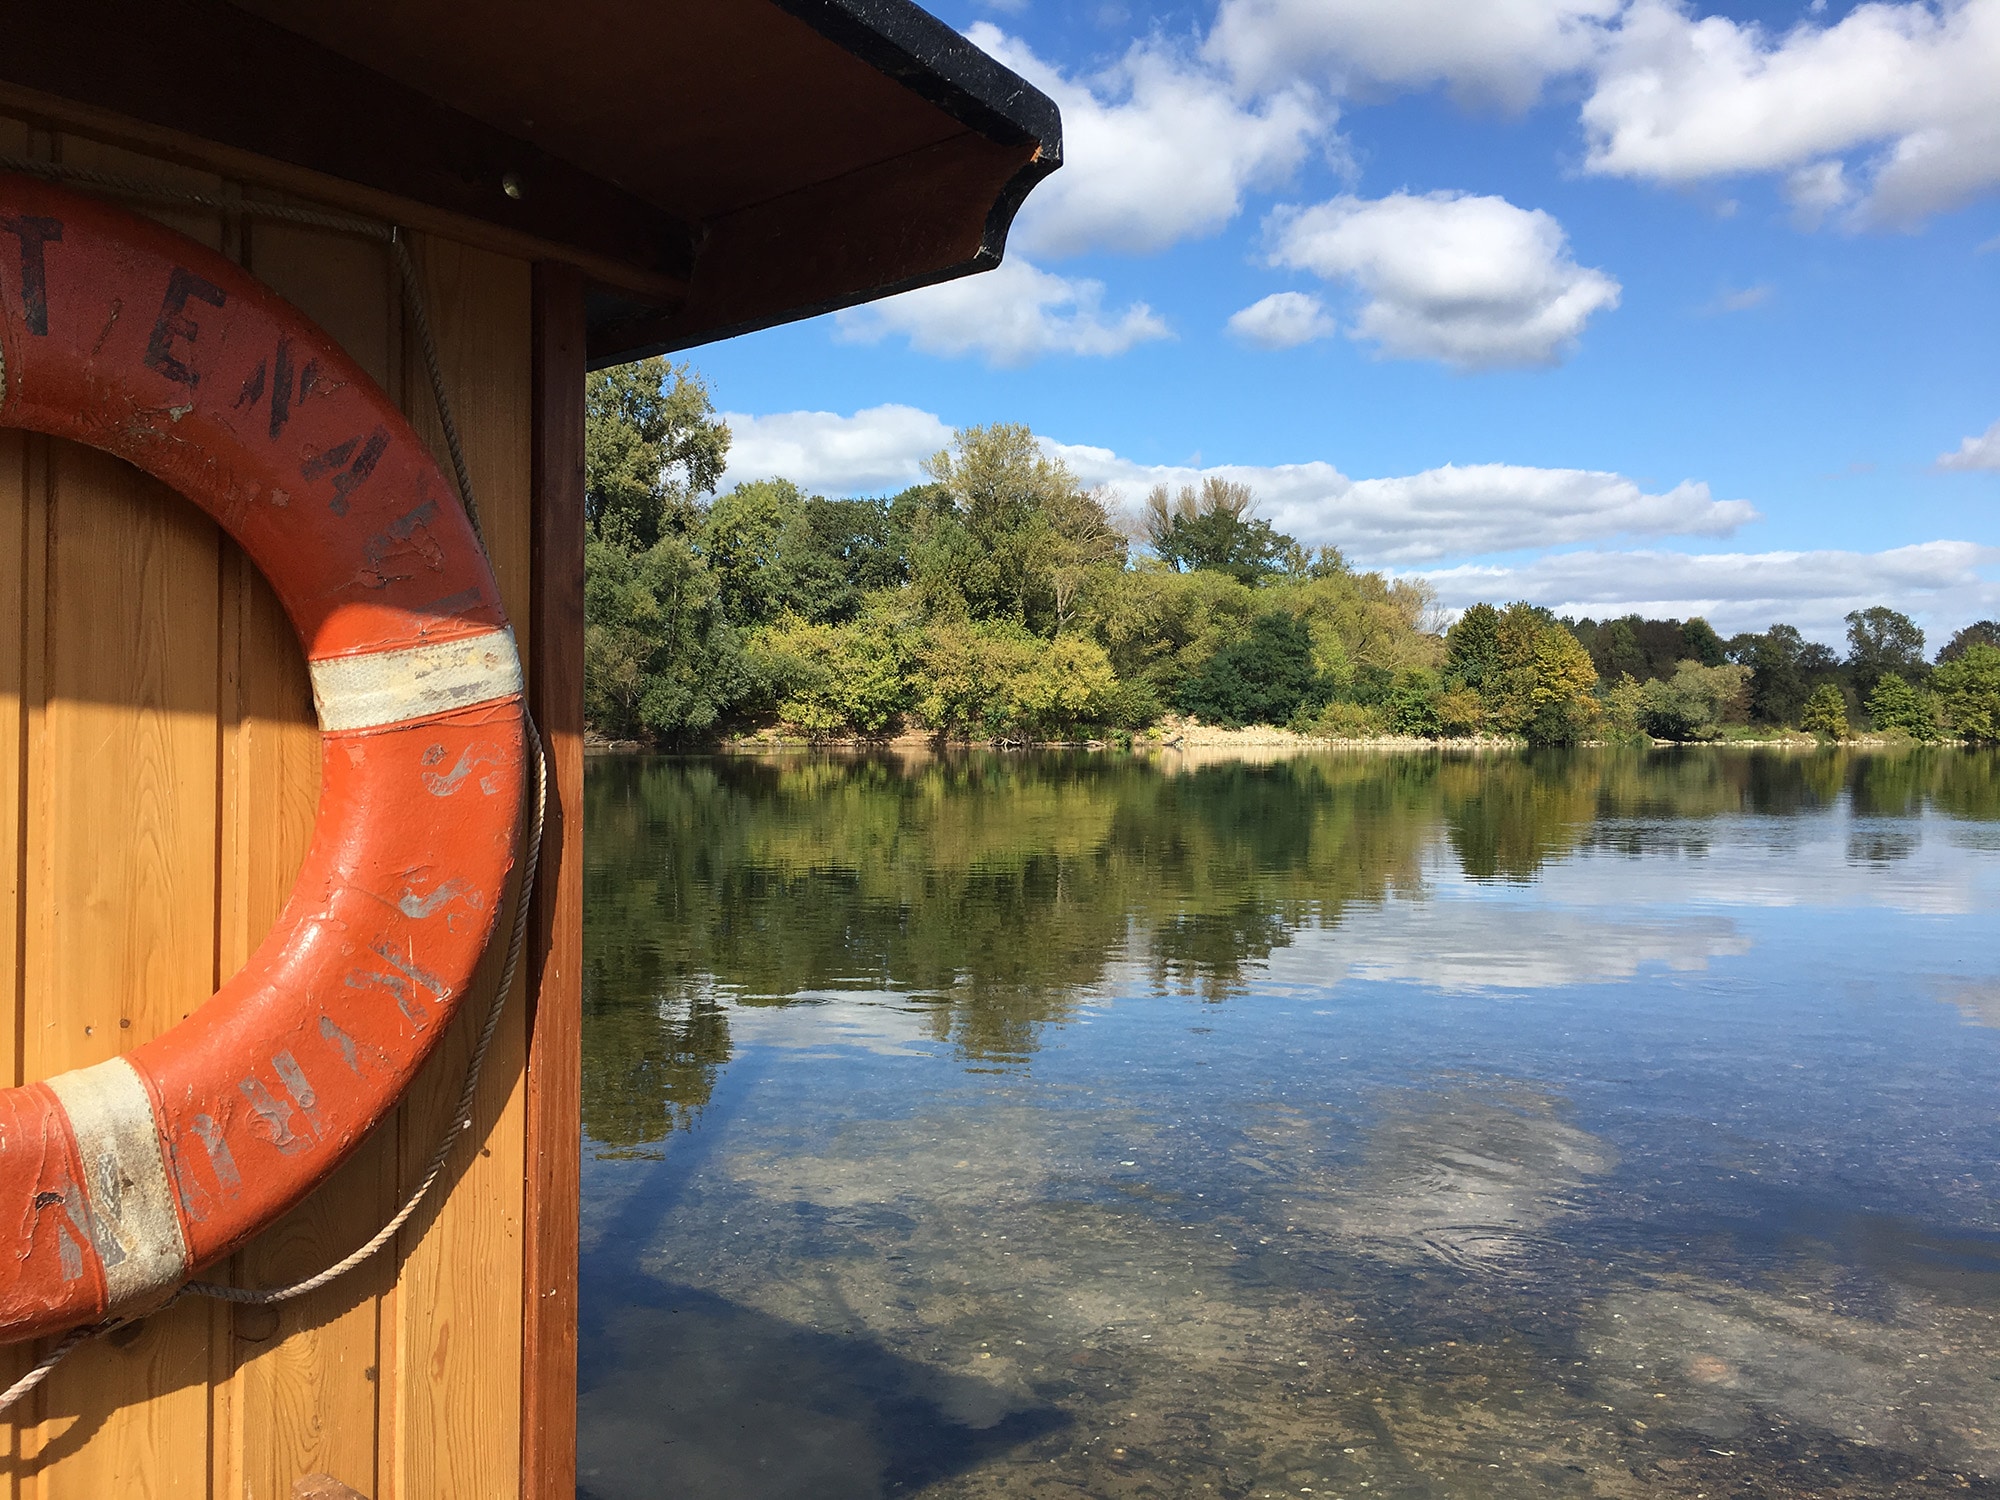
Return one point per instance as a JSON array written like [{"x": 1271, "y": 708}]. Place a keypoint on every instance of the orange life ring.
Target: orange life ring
[{"x": 118, "y": 1181}]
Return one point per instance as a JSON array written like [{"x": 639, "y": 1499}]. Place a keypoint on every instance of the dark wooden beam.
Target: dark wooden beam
[
  {"x": 210, "y": 70},
  {"x": 555, "y": 983},
  {"x": 868, "y": 234}
]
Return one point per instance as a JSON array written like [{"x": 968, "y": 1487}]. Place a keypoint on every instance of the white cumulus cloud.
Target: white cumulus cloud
[
  {"x": 1457, "y": 510},
  {"x": 1943, "y": 584},
  {"x": 1491, "y": 51},
  {"x": 1156, "y": 149},
  {"x": 1472, "y": 281},
  {"x": 1283, "y": 320},
  {"x": 1010, "y": 316},
  {"x": 1981, "y": 452},
  {"x": 880, "y": 449},
  {"x": 1892, "y": 112}
]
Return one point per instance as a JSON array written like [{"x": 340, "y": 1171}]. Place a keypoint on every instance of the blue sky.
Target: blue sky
[{"x": 1603, "y": 303}]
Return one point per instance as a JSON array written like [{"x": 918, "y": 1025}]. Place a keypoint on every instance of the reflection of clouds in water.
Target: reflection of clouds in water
[
  {"x": 1978, "y": 1002},
  {"x": 1921, "y": 866},
  {"x": 1458, "y": 943},
  {"x": 877, "y": 1021},
  {"x": 1469, "y": 1174},
  {"x": 1720, "y": 1357}
]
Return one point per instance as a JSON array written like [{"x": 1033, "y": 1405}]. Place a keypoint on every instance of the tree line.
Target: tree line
[{"x": 1002, "y": 600}]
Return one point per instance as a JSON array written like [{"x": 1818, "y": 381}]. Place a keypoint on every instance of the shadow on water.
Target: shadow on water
[
  {"x": 685, "y": 1393},
  {"x": 693, "y": 1395}
]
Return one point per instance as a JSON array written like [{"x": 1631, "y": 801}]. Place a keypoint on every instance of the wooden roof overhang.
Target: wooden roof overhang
[{"x": 714, "y": 166}]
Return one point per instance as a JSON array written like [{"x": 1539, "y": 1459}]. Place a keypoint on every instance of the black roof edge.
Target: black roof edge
[
  {"x": 992, "y": 248},
  {"x": 909, "y": 44},
  {"x": 901, "y": 39}
]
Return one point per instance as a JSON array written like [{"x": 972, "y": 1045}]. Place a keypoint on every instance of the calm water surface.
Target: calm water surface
[{"x": 1608, "y": 1124}]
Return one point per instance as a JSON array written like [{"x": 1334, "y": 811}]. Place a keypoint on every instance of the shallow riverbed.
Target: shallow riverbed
[{"x": 1607, "y": 1124}]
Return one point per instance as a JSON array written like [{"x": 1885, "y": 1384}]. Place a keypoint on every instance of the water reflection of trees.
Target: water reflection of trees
[{"x": 993, "y": 892}]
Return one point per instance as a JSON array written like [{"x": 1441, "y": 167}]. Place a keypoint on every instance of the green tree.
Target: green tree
[
  {"x": 1017, "y": 539},
  {"x": 777, "y": 551},
  {"x": 1066, "y": 685},
  {"x": 1615, "y": 650},
  {"x": 1881, "y": 640},
  {"x": 1968, "y": 692},
  {"x": 743, "y": 539},
  {"x": 652, "y": 450},
  {"x": 1778, "y": 685},
  {"x": 994, "y": 680},
  {"x": 1979, "y": 633},
  {"x": 1160, "y": 627},
  {"x": 1541, "y": 685},
  {"x": 1642, "y": 648},
  {"x": 1825, "y": 712},
  {"x": 1896, "y": 705},
  {"x": 1625, "y": 708},
  {"x": 1212, "y": 528},
  {"x": 1264, "y": 677},
  {"x": 1700, "y": 643},
  {"x": 660, "y": 660},
  {"x": 1472, "y": 646}
]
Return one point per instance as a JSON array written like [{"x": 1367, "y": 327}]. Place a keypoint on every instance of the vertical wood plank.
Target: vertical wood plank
[
  {"x": 16, "y": 573},
  {"x": 555, "y": 1017},
  {"x": 457, "y": 1398},
  {"x": 304, "y": 1396},
  {"x": 122, "y": 842}
]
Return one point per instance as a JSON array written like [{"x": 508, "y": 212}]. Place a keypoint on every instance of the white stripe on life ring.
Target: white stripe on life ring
[
  {"x": 128, "y": 1207},
  {"x": 392, "y": 687}
]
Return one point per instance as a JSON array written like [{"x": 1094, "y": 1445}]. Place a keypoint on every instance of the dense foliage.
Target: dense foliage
[{"x": 1001, "y": 600}]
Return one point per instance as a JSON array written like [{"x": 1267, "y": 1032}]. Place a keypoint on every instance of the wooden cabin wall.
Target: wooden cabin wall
[{"x": 158, "y": 777}]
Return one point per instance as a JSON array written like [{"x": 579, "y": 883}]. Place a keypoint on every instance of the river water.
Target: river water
[{"x": 1592, "y": 1124}]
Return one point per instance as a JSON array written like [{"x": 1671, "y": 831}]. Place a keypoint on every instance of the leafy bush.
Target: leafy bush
[
  {"x": 1067, "y": 684},
  {"x": 1343, "y": 720},
  {"x": 987, "y": 680},
  {"x": 830, "y": 680},
  {"x": 1624, "y": 708},
  {"x": 1825, "y": 712},
  {"x": 1460, "y": 712},
  {"x": 1410, "y": 705},
  {"x": 1265, "y": 677},
  {"x": 1693, "y": 703},
  {"x": 1896, "y": 707}
]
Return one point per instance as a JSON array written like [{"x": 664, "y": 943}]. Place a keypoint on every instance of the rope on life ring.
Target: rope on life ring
[{"x": 119, "y": 1180}]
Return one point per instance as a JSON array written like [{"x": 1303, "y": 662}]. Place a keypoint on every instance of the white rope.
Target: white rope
[
  {"x": 48, "y": 1362},
  {"x": 462, "y": 1116}
]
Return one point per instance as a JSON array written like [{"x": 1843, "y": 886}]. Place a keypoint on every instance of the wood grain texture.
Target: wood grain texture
[
  {"x": 19, "y": 454},
  {"x": 555, "y": 1019},
  {"x": 158, "y": 778},
  {"x": 306, "y": 1388},
  {"x": 121, "y": 866},
  {"x": 457, "y": 1396}
]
